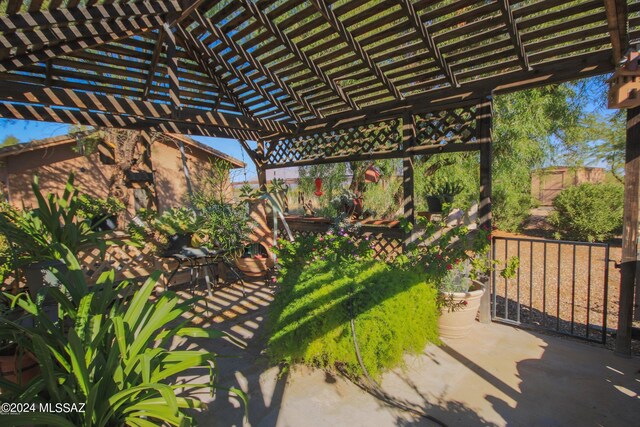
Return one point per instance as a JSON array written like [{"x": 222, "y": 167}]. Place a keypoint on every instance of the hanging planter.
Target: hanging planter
[{"x": 372, "y": 174}]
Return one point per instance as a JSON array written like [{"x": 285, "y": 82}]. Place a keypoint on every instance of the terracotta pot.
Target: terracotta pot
[
  {"x": 457, "y": 323},
  {"x": 254, "y": 267},
  {"x": 256, "y": 264},
  {"x": 10, "y": 368}
]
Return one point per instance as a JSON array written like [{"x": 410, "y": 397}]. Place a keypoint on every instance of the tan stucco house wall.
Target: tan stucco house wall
[{"x": 54, "y": 158}]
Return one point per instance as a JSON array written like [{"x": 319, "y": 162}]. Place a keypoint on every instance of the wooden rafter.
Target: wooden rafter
[
  {"x": 82, "y": 101},
  {"x": 128, "y": 29},
  {"x": 10, "y": 110},
  {"x": 617, "y": 24},
  {"x": 329, "y": 15},
  {"x": 514, "y": 34},
  {"x": 33, "y": 21},
  {"x": 265, "y": 72},
  {"x": 580, "y": 66},
  {"x": 279, "y": 35},
  {"x": 423, "y": 32},
  {"x": 173, "y": 72},
  {"x": 153, "y": 65},
  {"x": 211, "y": 55}
]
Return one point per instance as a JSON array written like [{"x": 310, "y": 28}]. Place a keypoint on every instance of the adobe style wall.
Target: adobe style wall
[{"x": 53, "y": 165}]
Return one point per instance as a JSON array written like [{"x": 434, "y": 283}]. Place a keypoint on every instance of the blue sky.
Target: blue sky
[{"x": 26, "y": 130}]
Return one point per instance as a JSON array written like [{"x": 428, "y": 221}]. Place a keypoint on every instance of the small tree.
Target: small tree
[
  {"x": 588, "y": 211},
  {"x": 9, "y": 140}
]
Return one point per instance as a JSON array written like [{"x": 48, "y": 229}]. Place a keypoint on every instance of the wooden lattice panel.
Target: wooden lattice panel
[
  {"x": 455, "y": 126},
  {"x": 371, "y": 138}
]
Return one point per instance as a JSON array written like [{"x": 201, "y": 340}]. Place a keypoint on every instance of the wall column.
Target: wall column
[
  {"x": 629, "y": 233},
  {"x": 484, "y": 117}
]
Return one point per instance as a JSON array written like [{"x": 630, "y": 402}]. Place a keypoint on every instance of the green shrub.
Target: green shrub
[
  {"x": 588, "y": 211},
  {"x": 394, "y": 310}
]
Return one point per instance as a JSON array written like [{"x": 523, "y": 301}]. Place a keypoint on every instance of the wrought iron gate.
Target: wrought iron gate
[{"x": 559, "y": 285}]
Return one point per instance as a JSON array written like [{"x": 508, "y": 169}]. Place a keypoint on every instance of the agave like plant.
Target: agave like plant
[{"x": 111, "y": 353}]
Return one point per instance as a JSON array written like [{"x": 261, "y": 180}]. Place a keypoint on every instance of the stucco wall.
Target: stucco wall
[
  {"x": 171, "y": 183},
  {"x": 53, "y": 166}
]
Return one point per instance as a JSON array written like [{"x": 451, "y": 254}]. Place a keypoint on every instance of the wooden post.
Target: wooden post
[
  {"x": 629, "y": 233},
  {"x": 408, "y": 196},
  {"x": 262, "y": 173},
  {"x": 484, "y": 116}
]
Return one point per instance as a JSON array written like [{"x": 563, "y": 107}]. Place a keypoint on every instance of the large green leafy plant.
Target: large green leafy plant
[
  {"x": 111, "y": 352},
  {"x": 35, "y": 235}
]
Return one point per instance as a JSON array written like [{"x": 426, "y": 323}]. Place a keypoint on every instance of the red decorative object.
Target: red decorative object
[
  {"x": 318, "y": 191},
  {"x": 372, "y": 174},
  {"x": 624, "y": 85}
]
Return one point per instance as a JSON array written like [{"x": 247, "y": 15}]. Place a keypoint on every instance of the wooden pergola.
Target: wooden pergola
[{"x": 314, "y": 81}]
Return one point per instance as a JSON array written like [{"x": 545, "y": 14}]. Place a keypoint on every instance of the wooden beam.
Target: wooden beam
[
  {"x": 210, "y": 55},
  {"x": 551, "y": 72},
  {"x": 423, "y": 33},
  {"x": 32, "y": 21},
  {"x": 99, "y": 119},
  {"x": 279, "y": 35},
  {"x": 514, "y": 34},
  {"x": 329, "y": 15},
  {"x": 630, "y": 224},
  {"x": 129, "y": 28},
  {"x": 35, "y": 94},
  {"x": 617, "y": 24},
  {"x": 189, "y": 6},
  {"x": 155, "y": 58},
  {"x": 228, "y": 43},
  {"x": 173, "y": 73},
  {"x": 20, "y": 44},
  {"x": 484, "y": 118}
]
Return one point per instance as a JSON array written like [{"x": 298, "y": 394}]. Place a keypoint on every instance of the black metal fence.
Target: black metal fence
[{"x": 559, "y": 285}]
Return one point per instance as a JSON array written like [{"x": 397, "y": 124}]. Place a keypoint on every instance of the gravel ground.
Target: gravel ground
[{"x": 551, "y": 276}]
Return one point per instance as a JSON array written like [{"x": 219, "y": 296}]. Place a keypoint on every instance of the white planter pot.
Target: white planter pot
[{"x": 457, "y": 323}]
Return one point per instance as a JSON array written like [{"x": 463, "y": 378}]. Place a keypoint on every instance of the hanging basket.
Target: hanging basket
[{"x": 372, "y": 175}]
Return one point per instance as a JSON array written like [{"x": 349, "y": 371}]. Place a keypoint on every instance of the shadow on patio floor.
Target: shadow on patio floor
[{"x": 498, "y": 376}]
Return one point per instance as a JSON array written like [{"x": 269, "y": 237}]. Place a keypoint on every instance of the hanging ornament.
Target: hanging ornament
[
  {"x": 318, "y": 191},
  {"x": 372, "y": 174}
]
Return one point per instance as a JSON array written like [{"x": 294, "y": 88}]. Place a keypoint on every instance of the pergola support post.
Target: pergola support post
[
  {"x": 408, "y": 186},
  {"x": 484, "y": 117},
  {"x": 630, "y": 224},
  {"x": 260, "y": 169}
]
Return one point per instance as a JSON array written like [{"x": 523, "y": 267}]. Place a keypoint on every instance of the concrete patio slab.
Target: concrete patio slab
[{"x": 498, "y": 376}]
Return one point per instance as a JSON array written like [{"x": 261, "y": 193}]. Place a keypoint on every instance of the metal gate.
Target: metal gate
[{"x": 559, "y": 285}]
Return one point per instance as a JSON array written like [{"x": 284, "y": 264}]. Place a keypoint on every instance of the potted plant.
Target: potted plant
[
  {"x": 349, "y": 203},
  {"x": 166, "y": 234},
  {"x": 459, "y": 301},
  {"x": 441, "y": 193},
  {"x": 103, "y": 213},
  {"x": 17, "y": 366}
]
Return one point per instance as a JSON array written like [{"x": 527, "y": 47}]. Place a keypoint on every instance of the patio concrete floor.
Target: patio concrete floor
[{"x": 500, "y": 375}]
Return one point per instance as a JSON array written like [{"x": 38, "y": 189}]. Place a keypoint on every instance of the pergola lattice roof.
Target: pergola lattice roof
[{"x": 254, "y": 69}]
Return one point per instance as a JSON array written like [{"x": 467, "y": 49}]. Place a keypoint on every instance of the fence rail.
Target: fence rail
[{"x": 559, "y": 285}]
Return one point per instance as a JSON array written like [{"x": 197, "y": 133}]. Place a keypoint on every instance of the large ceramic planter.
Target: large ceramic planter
[
  {"x": 255, "y": 265},
  {"x": 456, "y": 321},
  {"x": 10, "y": 367}
]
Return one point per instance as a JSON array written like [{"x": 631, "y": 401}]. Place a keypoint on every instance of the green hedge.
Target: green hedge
[
  {"x": 395, "y": 312},
  {"x": 588, "y": 211}
]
